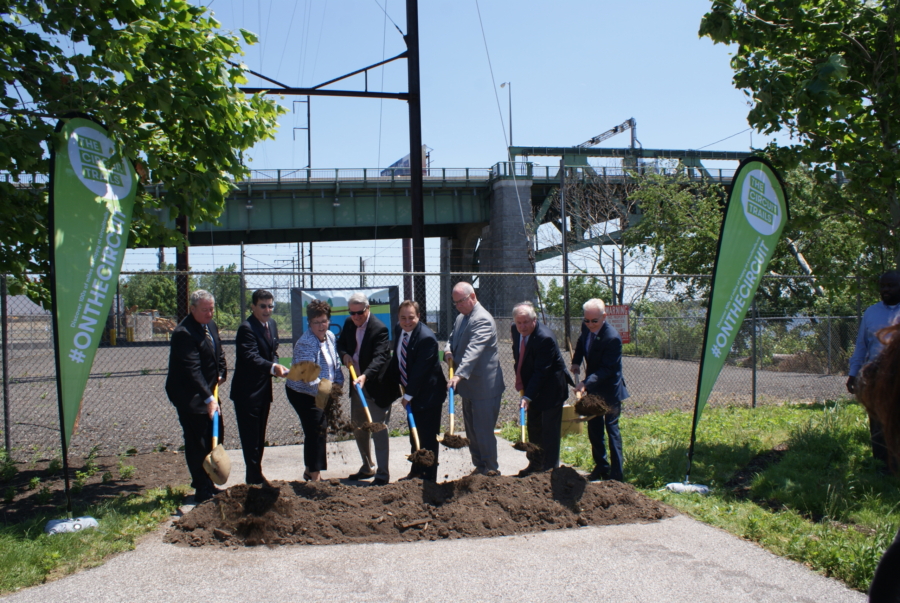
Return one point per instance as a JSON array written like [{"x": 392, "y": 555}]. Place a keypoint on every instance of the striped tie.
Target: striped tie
[
  {"x": 209, "y": 336},
  {"x": 403, "y": 359}
]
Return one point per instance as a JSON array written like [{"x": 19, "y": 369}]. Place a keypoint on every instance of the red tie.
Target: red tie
[
  {"x": 268, "y": 333},
  {"x": 519, "y": 383}
]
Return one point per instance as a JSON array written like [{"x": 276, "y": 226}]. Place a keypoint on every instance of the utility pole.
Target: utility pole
[
  {"x": 415, "y": 153},
  {"x": 565, "y": 251}
]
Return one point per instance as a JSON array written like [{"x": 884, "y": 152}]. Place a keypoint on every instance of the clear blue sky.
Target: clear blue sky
[{"x": 577, "y": 68}]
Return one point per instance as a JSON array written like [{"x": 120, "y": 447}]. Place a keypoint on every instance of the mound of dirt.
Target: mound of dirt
[
  {"x": 454, "y": 441},
  {"x": 475, "y": 506},
  {"x": 422, "y": 457}
]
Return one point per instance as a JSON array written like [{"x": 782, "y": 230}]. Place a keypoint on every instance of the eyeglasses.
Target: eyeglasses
[
  {"x": 319, "y": 323},
  {"x": 456, "y": 302},
  {"x": 266, "y": 306},
  {"x": 358, "y": 313},
  {"x": 592, "y": 321}
]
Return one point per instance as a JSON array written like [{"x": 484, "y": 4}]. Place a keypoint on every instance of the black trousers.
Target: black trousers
[
  {"x": 197, "y": 430},
  {"x": 252, "y": 417},
  {"x": 315, "y": 429},
  {"x": 428, "y": 426},
  {"x": 544, "y": 428}
]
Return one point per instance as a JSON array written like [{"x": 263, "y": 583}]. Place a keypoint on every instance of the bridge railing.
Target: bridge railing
[
  {"x": 376, "y": 175},
  {"x": 505, "y": 169}
]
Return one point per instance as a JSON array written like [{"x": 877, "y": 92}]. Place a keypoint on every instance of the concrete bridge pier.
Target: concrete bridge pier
[
  {"x": 457, "y": 255},
  {"x": 504, "y": 248}
]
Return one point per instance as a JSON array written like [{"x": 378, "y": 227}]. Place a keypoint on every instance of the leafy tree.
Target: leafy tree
[
  {"x": 150, "y": 291},
  {"x": 581, "y": 288},
  {"x": 157, "y": 74},
  {"x": 826, "y": 72}
]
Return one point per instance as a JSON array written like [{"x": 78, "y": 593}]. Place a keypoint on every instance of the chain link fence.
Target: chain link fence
[{"x": 778, "y": 355}]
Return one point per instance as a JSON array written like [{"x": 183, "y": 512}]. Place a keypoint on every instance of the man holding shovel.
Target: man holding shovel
[
  {"x": 473, "y": 346},
  {"x": 601, "y": 346},
  {"x": 365, "y": 344},
  {"x": 541, "y": 374},
  {"x": 251, "y": 387},
  {"x": 196, "y": 367}
]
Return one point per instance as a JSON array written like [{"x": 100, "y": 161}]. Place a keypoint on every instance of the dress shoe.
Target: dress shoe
[
  {"x": 379, "y": 481},
  {"x": 205, "y": 494},
  {"x": 361, "y": 476},
  {"x": 596, "y": 475}
]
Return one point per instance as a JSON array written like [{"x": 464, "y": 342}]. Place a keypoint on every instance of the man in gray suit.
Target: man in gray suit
[{"x": 478, "y": 378}]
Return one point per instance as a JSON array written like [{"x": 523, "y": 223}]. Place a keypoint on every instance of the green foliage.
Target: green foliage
[
  {"x": 826, "y": 72},
  {"x": 151, "y": 291},
  {"x": 28, "y": 556},
  {"x": 34, "y": 482},
  {"x": 667, "y": 329},
  {"x": 54, "y": 466},
  {"x": 125, "y": 471},
  {"x": 156, "y": 73},
  {"x": 44, "y": 495},
  {"x": 581, "y": 289},
  {"x": 8, "y": 467}
]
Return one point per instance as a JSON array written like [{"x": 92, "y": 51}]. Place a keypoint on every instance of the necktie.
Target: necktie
[
  {"x": 212, "y": 342},
  {"x": 268, "y": 332},
  {"x": 520, "y": 385},
  {"x": 590, "y": 343},
  {"x": 403, "y": 359}
]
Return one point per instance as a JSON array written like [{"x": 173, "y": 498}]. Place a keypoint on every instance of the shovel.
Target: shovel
[
  {"x": 422, "y": 457},
  {"x": 217, "y": 463},
  {"x": 451, "y": 440},
  {"x": 368, "y": 425},
  {"x": 532, "y": 451}
]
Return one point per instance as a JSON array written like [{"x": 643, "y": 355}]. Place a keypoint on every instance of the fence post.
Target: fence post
[
  {"x": 244, "y": 286},
  {"x": 829, "y": 344},
  {"x": 5, "y": 336},
  {"x": 753, "y": 345}
]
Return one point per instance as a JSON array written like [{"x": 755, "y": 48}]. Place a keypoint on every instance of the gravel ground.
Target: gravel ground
[{"x": 125, "y": 404}]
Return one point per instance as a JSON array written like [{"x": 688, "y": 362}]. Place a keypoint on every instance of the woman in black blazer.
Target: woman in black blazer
[{"x": 416, "y": 364}]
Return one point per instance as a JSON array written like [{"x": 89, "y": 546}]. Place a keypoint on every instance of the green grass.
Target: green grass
[
  {"x": 823, "y": 504},
  {"x": 29, "y": 557}
]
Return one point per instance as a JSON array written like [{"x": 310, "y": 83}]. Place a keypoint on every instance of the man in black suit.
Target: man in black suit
[
  {"x": 196, "y": 367},
  {"x": 541, "y": 374},
  {"x": 601, "y": 345},
  {"x": 416, "y": 366},
  {"x": 251, "y": 387},
  {"x": 365, "y": 344}
]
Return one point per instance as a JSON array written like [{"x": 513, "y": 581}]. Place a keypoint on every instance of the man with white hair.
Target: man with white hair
[
  {"x": 601, "y": 346},
  {"x": 541, "y": 377},
  {"x": 196, "y": 367},
  {"x": 365, "y": 344},
  {"x": 473, "y": 346}
]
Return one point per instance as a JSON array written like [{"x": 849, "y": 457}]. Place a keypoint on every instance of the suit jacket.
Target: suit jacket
[
  {"x": 252, "y": 381},
  {"x": 603, "y": 375},
  {"x": 374, "y": 354},
  {"x": 195, "y": 365},
  {"x": 425, "y": 378},
  {"x": 476, "y": 354},
  {"x": 543, "y": 369}
]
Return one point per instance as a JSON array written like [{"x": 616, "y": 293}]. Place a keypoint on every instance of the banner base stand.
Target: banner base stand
[
  {"x": 60, "y": 526},
  {"x": 685, "y": 487}
]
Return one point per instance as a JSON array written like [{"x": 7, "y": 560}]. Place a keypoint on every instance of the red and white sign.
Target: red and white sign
[{"x": 617, "y": 316}]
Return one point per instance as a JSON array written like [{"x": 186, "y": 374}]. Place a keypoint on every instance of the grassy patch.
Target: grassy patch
[
  {"x": 823, "y": 503},
  {"x": 29, "y": 557}
]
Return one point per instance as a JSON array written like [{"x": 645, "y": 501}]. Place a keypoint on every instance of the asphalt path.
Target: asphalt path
[{"x": 673, "y": 560}]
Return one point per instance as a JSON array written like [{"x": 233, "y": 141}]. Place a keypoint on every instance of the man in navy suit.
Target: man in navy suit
[
  {"x": 196, "y": 366},
  {"x": 541, "y": 375},
  {"x": 251, "y": 387},
  {"x": 365, "y": 344},
  {"x": 417, "y": 367},
  {"x": 601, "y": 345}
]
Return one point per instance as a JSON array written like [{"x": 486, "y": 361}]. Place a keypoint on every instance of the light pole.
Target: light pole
[{"x": 504, "y": 85}]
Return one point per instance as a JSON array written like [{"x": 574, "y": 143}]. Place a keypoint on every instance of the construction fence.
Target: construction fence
[{"x": 779, "y": 355}]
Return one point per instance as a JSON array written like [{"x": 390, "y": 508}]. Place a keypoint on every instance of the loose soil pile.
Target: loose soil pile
[
  {"x": 454, "y": 441},
  {"x": 373, "y": 427},
  {"x": 591, "y": 406},
  {"x": 475, "y": 506}
]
